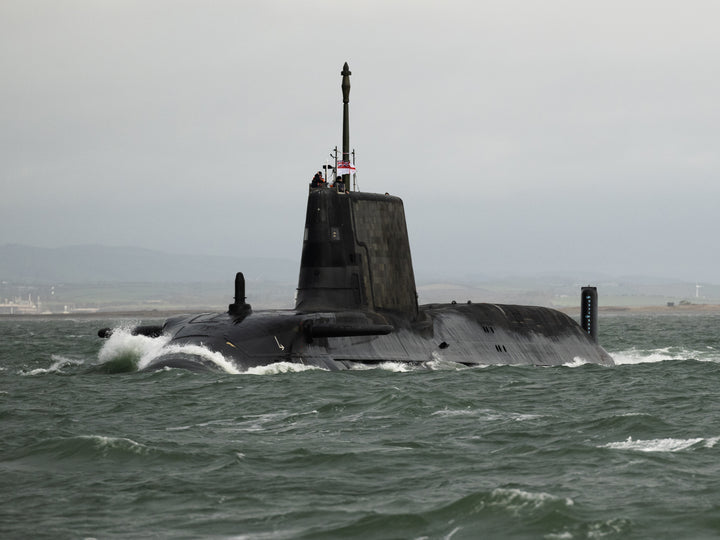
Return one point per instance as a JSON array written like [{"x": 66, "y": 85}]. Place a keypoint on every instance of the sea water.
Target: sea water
[{"x": 92, "y": 448}]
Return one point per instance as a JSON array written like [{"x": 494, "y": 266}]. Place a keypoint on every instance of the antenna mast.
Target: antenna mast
[{"x": 346, "y": 119}]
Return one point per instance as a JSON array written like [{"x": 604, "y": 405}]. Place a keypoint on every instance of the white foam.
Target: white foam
[
  {"x": 280, "y": 367},
  {"x": 448, "y": 413},
  {"x": 576, "y": 362},
  {"x": 59, "y": 362},
  {"x": 204, "y": 353},
  {"x": 121, "y": 343},
  {"x": 144, "y": 350},
  {"x": 640, "y": 356},
  {"x": 487, "y": 414},
  {"x": 438, "y": 363},
  {"x": 709, "y": 443},
  {"x": 518, "y": 500},
  {"x": 397, "y": 367},
  {"x": 662, "y": 445},
  {"x": 104, "y": 443},
  {"x": 635, "y": 356}
]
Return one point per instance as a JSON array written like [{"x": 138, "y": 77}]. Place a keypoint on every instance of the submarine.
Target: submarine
[{"x": 356, "y": 302}]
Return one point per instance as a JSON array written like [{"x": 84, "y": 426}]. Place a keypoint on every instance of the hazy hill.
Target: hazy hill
[
  {"x": 94, "y": 264},
  {"x": 102, "y": 276}
]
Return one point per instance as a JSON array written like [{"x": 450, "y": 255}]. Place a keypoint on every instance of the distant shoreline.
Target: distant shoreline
[
  {"x": 123, "y": 314},
  {"x": 658, "y": 310},
  {"x": 162, "y": 314}
]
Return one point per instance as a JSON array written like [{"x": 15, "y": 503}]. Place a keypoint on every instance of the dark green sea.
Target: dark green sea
[{"x": 90, "y": 448}]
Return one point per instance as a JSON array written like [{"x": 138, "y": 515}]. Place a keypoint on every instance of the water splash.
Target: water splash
[
  {"x": 664, "y": 354},
  {"x": 105, "y": 444},
  {"x": 487, "y": 414},
  {"x": 59, "y": 362},
  {"x": 395, "y": 367},
  {"x": 662, "y": 445},
  {"x": 126, "y": 352},
  {"x": 438, "y": 363},
  {"x": 281, "y": 367},
  {"x": 203, "y": 354},
  {"x": 576, "y": 362},
  {"x": 518, "y": 501}
]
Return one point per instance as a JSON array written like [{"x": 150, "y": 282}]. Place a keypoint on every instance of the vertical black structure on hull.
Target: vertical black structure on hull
[
  {"x": 589, "y": 311},
  {"x": 356, "y": 255}
]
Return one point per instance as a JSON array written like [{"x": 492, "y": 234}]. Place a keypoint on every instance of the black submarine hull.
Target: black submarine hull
[
  {"x": 465, "y": 334},
  {"x": 357, "y": 303}
]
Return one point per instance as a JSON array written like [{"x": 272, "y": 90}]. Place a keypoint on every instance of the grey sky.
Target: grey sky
[{"x": 571, "y": 136}]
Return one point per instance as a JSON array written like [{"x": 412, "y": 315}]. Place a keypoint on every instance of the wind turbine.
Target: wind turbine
[{"x": 697, "y": 290}]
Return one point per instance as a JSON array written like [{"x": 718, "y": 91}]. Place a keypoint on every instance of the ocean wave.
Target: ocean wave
[
  {"x": 519, "y": 501},
  {"x": 576, "y": 362},
  {"x": 436, "y": 364},
  {"x": 613, "y": 528},
  {"x": 203, "y": 354},
  {"x": 487, "y": 414},
  {"x": 125, "y": 352},
  {"x": 396, "y": 367},
  {"x": 664, "y": 354},
  {"x": 105, "y": 444},
  {"x": 515, "y": 501},
  {"x": 83, "y": 447},
  {"x": 662, "y": 445},
  {"x": 280, "y": 367},
  {"x": 439, "y": 363},
  {"x": 58, "y": 363},
  {"x": 464, "y": 516},
  {"x": 636, "y": 356}
]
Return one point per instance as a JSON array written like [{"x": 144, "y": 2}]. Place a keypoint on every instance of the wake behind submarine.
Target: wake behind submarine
[{"x": 357, "y": 304}]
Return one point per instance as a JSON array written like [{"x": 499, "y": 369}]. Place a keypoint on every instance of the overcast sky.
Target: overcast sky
[{"x": 572, "y": 136}]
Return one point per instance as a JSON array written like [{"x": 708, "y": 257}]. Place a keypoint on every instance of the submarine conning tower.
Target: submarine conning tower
[{"x": 356, "y": 253}]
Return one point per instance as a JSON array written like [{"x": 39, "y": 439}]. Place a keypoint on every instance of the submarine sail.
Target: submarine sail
[{"x": 357, "y": 303}]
